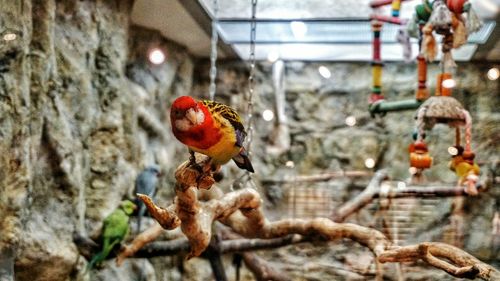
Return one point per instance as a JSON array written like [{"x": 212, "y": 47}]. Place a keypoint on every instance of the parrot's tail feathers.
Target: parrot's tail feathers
[
  {"x": 142, "y": 211},
  {"x": 99, "y": 257},
  {"x": 242, "y": 161}
]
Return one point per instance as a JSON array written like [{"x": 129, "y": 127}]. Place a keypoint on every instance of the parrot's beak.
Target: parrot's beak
[
  {"x": 191, "y": 116},
  {"x": 159, "y": 175}
]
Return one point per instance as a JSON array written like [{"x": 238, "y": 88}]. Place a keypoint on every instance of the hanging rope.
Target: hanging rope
[
  {"x": 213, "y": 51},
  {"x": 468, "y": 130},
  {"x": 251, "y": 78},
  {"x": 421, "y": 123}
]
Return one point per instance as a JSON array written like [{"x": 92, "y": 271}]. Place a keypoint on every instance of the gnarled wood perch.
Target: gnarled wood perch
[{"x": 241, "y": 211}]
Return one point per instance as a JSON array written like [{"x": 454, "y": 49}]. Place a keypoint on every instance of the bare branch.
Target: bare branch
[
  {"x": 321, "y": 177},
  {"x": 262, "y": 270},
  {"x": 373, "y": 191},
  {"x": 241, "y": 211},
  {"x": 363, "y": 199},
  {"x": 243, "y": 244},
  {"x": 443, "y": 256},
  {"x": 142, "y": 239}
]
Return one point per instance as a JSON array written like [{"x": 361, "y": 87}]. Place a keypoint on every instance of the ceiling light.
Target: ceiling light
[
  {"x": 273, "y": 56},
  {"x": 156, "y": 56},
  {"x": 9, "y": 36},
  {"x": 268, "y": 115},
  {"x": 350, "y": 121},
  {"x": 449, "y": 83},
  {"x": 290, "y": 164},
  {"x": 493, "y": 73},
  {"x": 369, "y": 163},
  {"x": 324, "y": 71},
  {"x": 452, "y": 150},
  {"x": 299, "y": 29}
]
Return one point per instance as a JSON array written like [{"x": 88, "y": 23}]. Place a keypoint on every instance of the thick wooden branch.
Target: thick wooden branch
[
  {"x": 443, "y": 256},
  {"x": 142, "y": 239},
  {"x": 243, "y": 244},
  {"x": 163, "y": 248},
  {"x": 241, "y": 211}
]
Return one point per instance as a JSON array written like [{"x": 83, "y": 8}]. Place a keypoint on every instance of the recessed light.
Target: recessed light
[{"x": 156, "y": 56}]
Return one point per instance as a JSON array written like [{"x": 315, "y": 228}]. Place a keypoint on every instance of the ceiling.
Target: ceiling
[{"x": 335, "y": 30}]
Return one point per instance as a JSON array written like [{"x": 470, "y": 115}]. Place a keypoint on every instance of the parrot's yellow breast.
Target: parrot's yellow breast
[{"x": 225, "y": 148}]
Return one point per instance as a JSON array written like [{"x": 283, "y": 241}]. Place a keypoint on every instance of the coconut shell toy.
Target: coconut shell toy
[{"x": 454, "y": 20}]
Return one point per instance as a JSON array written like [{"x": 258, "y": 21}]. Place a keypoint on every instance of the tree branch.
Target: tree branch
[
  {"x": 261, "y": 269},
  {"x": 461, "y": 264},
  {"x": 243, "y": 244},
  {"x": 321, "y": 177},
  {"x": 363, "y": 199},
  {"x": 241, "y": 211},
  {"x": 374, "y": 191}
]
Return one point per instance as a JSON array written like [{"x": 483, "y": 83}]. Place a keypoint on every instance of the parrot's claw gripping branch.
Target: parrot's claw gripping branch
[{"x": 241, "y": 211}]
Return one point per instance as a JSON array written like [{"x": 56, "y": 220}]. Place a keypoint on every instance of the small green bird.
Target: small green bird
[{"x": 115, "y": 229}]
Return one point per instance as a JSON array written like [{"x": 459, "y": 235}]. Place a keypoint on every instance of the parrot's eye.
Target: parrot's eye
[{"x": 178, "y": 114}]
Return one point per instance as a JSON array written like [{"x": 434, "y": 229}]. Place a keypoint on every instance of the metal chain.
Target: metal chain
[
  {"x": 213, "y": 51},
  {"x": 251, "y": 78}
]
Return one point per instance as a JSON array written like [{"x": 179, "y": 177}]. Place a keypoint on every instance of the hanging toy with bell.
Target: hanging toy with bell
[
  {"x": 419, "y": 156},
  {"x": 463, "y": 162}
]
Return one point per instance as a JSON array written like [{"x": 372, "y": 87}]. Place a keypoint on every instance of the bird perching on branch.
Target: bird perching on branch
[
  {"x": 115, "y": 229},
  {"x": 210, "y": 128},
  {"x": 145, "y": 183}
]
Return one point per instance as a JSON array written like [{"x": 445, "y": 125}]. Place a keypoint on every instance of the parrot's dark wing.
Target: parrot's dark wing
[{"x": 230, "y": 115}]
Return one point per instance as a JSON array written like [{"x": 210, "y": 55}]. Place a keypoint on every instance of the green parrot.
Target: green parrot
[{"x": 115, "y": 229}]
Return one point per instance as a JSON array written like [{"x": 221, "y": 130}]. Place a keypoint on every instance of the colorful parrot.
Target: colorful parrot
[
  {"x": 210, "y": 128},
  {"x": 145, "y": 183},
  {"x": 115, "y": 229}
]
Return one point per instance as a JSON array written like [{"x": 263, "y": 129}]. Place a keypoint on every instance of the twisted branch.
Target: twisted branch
[{"x": 241, "y": 211}]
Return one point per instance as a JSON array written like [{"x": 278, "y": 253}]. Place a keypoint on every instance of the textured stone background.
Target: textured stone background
[{"x": 82, "y": 112}]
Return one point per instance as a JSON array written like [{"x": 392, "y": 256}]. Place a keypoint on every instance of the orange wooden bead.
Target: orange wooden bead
[{"x": 420, "y": 160}]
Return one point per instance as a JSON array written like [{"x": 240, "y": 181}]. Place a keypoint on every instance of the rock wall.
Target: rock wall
[
  {"x": 80, "y": 116},
  {"x": 82, "y": 112}
]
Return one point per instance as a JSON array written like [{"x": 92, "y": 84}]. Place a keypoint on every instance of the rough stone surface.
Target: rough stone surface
[
  {"x": 82, "y": 112},
  {"x": 76, "y": 126}
]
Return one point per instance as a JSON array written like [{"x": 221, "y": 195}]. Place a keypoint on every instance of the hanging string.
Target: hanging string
[
  {"x": 421, "y": 123},
  {"x": 213, "y": 51},
  {"x": 468, "y": 130},
  {"x": 251, "y": 78}
]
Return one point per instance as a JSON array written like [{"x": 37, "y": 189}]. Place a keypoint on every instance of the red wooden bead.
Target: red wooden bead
[
  {"x": 456, "y": 6},
  {"x": 420, "y": 146}
]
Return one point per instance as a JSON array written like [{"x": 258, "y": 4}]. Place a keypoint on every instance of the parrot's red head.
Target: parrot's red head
[{"x": 186, "y": 114}]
